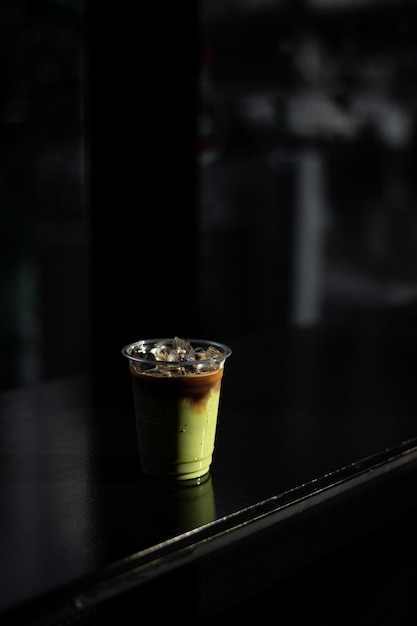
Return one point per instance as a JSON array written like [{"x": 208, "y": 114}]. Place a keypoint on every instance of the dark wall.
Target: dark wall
[
  {"x": 239, "y": 171},
  {"x": 143, "y": 102},
  {"x": 44, "y": 284}
]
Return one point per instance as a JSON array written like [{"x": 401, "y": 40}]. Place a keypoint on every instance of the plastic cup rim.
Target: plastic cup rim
[{"x": 225, "y": 349}]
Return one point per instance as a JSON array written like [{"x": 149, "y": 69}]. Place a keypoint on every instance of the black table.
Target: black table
[{"x": 85, "y": 533}]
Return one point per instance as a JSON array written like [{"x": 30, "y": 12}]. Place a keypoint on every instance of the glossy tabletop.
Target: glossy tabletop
[{"x": 78, "y": 511}]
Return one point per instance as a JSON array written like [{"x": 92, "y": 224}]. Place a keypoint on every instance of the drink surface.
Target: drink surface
[{"x": 175, "y": 357}]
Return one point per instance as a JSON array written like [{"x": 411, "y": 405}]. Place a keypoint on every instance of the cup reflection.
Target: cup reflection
[{"x": 193, "y": 504}]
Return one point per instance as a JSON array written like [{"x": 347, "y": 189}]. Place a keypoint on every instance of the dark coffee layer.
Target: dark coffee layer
[{"x": 192, "y": 386}]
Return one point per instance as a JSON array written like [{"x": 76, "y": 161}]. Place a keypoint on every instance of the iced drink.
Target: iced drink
[{"x": 176, "y": 393}]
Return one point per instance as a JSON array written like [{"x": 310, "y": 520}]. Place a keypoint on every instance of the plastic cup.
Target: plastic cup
[{"x": 176, "y": 406}]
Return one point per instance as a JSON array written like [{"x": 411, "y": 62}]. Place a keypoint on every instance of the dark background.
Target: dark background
[{"x": 240, "y": 171}]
